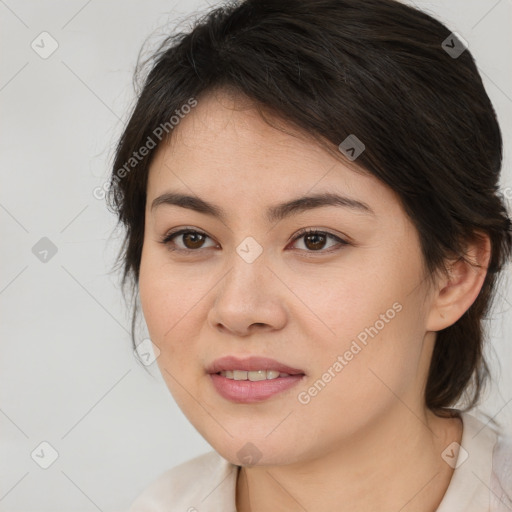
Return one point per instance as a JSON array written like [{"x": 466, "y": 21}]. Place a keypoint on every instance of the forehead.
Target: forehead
[
  {"x": 225, "y": 126},
  {"x": 224, "y": 148}
]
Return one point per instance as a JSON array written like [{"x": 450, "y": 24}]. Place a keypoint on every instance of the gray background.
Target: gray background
[{"x": 68, "y": 373}]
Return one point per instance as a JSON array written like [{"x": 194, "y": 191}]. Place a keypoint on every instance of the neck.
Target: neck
[{"x": 393, "y": 465}]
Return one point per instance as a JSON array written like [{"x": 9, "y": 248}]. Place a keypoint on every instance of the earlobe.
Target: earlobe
[{"x": 459, "y": 287}]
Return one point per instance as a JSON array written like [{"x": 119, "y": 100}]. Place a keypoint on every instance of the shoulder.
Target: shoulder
[
  {"x": 491, "y": 449},
  {"x": 204, "y": 483},
  {"x": 501, "y": 476},
  {"x": 481, "y": 480}
]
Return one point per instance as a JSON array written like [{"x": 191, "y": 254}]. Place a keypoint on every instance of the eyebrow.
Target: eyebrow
[{"x": 274, "y": 213}]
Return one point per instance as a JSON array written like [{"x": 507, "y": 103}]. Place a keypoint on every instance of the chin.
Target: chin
[{"x": 259, "y": 452}]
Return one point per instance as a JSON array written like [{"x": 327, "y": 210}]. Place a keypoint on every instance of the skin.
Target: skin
[{"x": 367, "y": 440}]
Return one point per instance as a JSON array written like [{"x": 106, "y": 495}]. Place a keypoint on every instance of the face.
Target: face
[{"x": 346, "y": 305}]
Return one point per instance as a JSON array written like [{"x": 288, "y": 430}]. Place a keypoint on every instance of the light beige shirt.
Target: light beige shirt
[{"x": 481, "y": 481}]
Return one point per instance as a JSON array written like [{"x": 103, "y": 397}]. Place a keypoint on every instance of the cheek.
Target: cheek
[
  {"x": 167, "y": 320},
  {"x": 359, "y": 381},
  {"x": 151, "y": 296},
  {"x": 377, "y": 346},
  {"x": 164, "y": 297},
  {"x": 171, "y": 305}
]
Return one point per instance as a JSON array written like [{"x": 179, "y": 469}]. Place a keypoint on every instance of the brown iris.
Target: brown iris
[{"x": 318, "y": 241}]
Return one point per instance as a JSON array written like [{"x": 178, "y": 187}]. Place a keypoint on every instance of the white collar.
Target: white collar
[{"x": 469, "y": 488}]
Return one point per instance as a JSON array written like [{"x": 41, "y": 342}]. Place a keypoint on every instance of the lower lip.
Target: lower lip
[{"x": 246, "y": 391}]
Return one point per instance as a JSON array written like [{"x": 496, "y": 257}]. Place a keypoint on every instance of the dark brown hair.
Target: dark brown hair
[{"x": 331, "y": 68}]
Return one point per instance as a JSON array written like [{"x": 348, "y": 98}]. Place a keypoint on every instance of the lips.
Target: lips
[{"x": 252, "y": 363}]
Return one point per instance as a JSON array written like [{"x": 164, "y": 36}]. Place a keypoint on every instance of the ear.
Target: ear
[{"x": 458, "y": 288}]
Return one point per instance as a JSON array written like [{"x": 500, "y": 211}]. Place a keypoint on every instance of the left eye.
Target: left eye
[
  {"x": 193, "y": 240},
  {"x": 314, "y": 238}
]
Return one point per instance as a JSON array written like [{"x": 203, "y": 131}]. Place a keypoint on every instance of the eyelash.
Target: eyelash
[{"x": 168, "y": 238}]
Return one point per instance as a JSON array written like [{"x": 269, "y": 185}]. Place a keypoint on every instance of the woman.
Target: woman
[{"x": 310, "y": 195}]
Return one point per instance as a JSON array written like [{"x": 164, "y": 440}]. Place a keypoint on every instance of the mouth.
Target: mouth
[
  {"x": 253, "y": 376},
  {"x": 252, "y": 379},
  {"x": 251, "y": 366}
]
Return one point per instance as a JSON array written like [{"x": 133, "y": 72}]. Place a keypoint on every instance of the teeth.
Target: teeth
[{"x": 253, "y": 375}]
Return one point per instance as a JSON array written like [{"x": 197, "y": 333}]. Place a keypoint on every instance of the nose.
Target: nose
[{"x": 249, "y": 298}]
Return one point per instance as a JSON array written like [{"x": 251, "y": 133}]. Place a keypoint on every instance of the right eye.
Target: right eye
[{"x": 191, "y": 239}]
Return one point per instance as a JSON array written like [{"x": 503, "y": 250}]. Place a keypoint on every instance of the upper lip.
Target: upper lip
[{"x": 248, "y": 364}]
